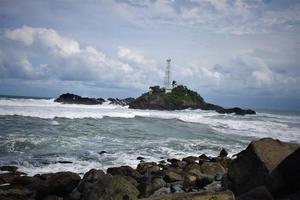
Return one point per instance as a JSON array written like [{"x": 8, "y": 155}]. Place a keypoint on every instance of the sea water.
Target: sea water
[{"x": 35, "y": 134}]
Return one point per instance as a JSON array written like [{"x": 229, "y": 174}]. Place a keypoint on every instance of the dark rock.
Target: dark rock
[
  {"x": 203, "y": 195},
  {"x": 124, "y": 171},
  {"x": 149, "y": 186},
  {"x": 253, "y": 166},
  {"x": 75, "y": 99},
  {"x": 223, "y": 153},
  {"x": 212, "y": 168},
  {"x": 140, "y": 158},
  {"x": 161, "y": 191},
  {"x": 172, "y": 176},
  {"x": 111, "y": 187},
  {"x": 224, "y": 161},
  {"x": 89, "y": 178},
  {"x": 258, "y": 193},
  {"x": 190, "y": 159},
  {"x": 204, "y": 157},
  {"x": 15, "y": 194},
  {"x": 53, "y": 197},
  {"x": 74, "y": 195},
  {"x": 64, "y": 162},
  {"x": 288, "y": 175},
  {"x": 236, "y": 110},
  {"x": 177, "y": 163},
  {"x": 9, "y": 168},
  {"x": 102, "y": 152},
  {"x": 147, "y": 167},
  {"x": 60, "y": 183}
]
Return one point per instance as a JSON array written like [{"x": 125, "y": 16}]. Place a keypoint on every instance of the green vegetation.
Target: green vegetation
[{"x": 177, "y": 96}]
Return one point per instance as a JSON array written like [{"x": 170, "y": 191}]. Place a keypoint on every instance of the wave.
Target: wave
[{"x": 285, "y": 127}]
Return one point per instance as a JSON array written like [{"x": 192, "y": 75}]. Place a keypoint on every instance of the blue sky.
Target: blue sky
[{"x": 233, "y": 52}]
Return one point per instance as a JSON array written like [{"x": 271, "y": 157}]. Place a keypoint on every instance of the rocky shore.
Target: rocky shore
[{"x": 267, "y": 169}]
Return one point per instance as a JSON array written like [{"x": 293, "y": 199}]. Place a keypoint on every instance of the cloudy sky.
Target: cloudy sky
[{"x": 233, "y": 52}]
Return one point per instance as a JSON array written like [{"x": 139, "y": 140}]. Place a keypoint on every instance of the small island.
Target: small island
[
  {"x": 157, "y": 98},
  {"x": 179, "y": 98}
]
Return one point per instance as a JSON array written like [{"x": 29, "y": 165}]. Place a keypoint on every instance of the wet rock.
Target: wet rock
[
  {"x": 89, "y": 178},
  {"x": 102, "y": 152},
  {"x": 177, "y": 163},
  {"x": 112, "y": 187},
  {"x": 151, "y": 185},
  {"x": 258, "y": 193},
  {"x": 15, "y": 194},
  {"x": 190, "y": 159},
  {"x": 161, "y": 191},
  {"x": 53, "y": 197},
  {"x": 288, "y": 175},
  {"x": 224, "y": 161},
  {"x": 172, "y": 176},
  {"x": 64, "y": 162},
  {"x": 9, "y": 168},
  {"x": 124, "y": 171},
  {"x": 253, "y": 166},
  {"x": 60, "y": 183},
  {"x": 140, "y": 158},
  {"x": 223, "y": 153},
  {"x": 177, "y": 188},
  {"x": 212, "y": 168},
  {"x": 203, "y": 158},
  {"x": 204, "y": 195},
  {"x": 147, "y": 167},
  {"x": 214, "y": 186},
  {"x": 74, "y": 195},
  {"x": 189, "y": 180}
]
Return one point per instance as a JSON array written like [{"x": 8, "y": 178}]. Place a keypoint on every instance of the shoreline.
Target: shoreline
[{"x": 188, "y": 178}]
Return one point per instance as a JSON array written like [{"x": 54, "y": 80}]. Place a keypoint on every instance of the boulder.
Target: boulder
[
  {"x": 258, "y": 193},
  {"x": 124, "y": 171},
  {"x": 172, "y": 176},
  {"x": 149, "y": 186},
  {"x": 147, "y": 167},
  {"x": 111, "y": 188},
  {"x": 190, "y": 159},
  {"x": 236, "y": 110},
  {"x": 288, "y": 174},
  {"x": 223, "y": 153},
  {"x": 253, "y": 166},
  {"x": 15, "y": 194},
  {"x": 226, "y": 195},
  {"x": 59, "y": 184},
  {"x": 89, "y": 178},
  {"x": 212, "y": 168}
]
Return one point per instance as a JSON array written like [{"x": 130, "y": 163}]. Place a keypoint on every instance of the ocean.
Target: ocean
[{"x": 41, "y": 136}]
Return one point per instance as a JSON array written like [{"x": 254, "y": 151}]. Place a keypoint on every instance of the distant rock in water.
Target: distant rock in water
[
  {"x": 178, "y": 99},
  {"x": 76, "y": 99}
]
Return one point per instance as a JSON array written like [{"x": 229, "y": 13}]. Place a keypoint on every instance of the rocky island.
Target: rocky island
[
  {"x": 267, "y": 169},
  {"x": 179, "y": 98}
]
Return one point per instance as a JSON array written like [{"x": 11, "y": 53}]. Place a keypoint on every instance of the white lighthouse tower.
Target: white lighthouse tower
[{"x": 167, "y": 81}]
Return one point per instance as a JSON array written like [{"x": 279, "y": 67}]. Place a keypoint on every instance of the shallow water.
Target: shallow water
[{"x": 36, "y": 133}]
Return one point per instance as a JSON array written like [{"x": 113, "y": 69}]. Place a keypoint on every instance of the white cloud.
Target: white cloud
[
  {"x": 63, "y": 58},
  {"x": 59, "y": 45}
]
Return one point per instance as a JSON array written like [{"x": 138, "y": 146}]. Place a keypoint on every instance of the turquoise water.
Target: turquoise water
[{"x": 37, "y": 133}]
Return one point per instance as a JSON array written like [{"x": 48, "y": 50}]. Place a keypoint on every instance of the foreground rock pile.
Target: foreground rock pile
[{"x": 267, "y": 169}]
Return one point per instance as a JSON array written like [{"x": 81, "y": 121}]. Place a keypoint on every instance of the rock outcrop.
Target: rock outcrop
[
  {"x": 76, "y": 99},
  {"x": 254, "y": 166},
  {"x": 178, "y": 99}
]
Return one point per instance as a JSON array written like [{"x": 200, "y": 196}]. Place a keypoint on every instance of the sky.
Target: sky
[{"x": 232, "y": 52}]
